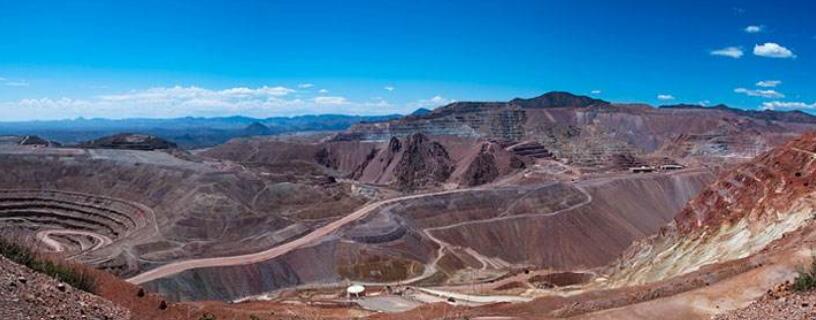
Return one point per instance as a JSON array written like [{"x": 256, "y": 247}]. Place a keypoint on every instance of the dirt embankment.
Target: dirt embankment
[
  {"x": 621, "y": 211},
  {"x": 25, "y": 294}
]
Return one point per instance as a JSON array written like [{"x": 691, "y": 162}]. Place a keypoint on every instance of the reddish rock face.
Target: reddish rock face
[
  {"x": 482, "y": 169},
  {"x": 589, "y": 132},
  {"x": 423, "y": 163},
  {"x": 768, "y": 184}
]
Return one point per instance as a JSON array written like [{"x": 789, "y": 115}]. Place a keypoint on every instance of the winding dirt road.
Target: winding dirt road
[
  {"x": 319, "y": 233},
  {"x": 313, "y": 237},
  {"x": 431, "y": 268},
  {"x": 45, "y": 238}
]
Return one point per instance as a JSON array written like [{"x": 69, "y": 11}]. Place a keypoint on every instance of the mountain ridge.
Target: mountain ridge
[{"x": 188, "y": 132}]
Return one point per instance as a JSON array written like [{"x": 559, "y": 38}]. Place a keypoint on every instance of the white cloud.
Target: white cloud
[
  {"x": 438, "y": 101},
  {"x": 754, "y": 29},
  {"x": 704, "y": 102},
  {"x": 13, "y": 83},
  {"x": 773, "y": 50},
  {"x": 768, "y": 83},
  {"x": 596, "y": 91},
  {"x": 731, "y": 52},
  {"x": 178, "y": 101},
  {"x": 323, "y": 91},
  {"x": 776, "y": 105},
  {"x": 432, "y": 102},
  {"x": 331, "y": 100},
  {"x": 167, "y": 102},
  {"x": 51, "y": 103},
  {"x": 665, "y": 97},
  {"x": 16, "y": 83},
  {"x": 187, "y": 95},
  {"x": 389, "y": 88},
  {"x": 760, "y": 93},
  {"x": 305, "y": 85}
]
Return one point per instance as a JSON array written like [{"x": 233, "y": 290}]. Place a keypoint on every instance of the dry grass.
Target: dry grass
[
  {"x": 806, "y": 280},
  {"x": 20, "y": 247},
  {"x": 21, "y": 250}
]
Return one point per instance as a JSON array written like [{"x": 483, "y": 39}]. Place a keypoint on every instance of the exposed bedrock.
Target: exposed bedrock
[
  {"x": 621, "y": 211},
  {"x": 330, "y": 262},
  {"x": 378, "y": 249},
  {"x": 75, "y": 222},
  {"x": 742, "y": 213},
  {"x": 202, "y": 209},
  {"x": 391, "y": 261},
  {"x": 378, "y": 229},
  {"x": 482, "y": 169},
  {"x": 591, "y": 133},
  {"x": 531, "y": 149},
  {"x": 552, "y": 225},
  {"x": 476, "y": 205},
  {"x": 423, "y": 163},
  {"x": 226, "y": 283},
  {"x": 560, "y": 279}
]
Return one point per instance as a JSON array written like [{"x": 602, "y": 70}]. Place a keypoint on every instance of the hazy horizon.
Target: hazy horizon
[{"x": 261, "y": 59}]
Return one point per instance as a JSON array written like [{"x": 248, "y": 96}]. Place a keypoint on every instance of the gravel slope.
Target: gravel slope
[
  {"x": 25, "y": 294},
  {"x": 780, "y": 303}
]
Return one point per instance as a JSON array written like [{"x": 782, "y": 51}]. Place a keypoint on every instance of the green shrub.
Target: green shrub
[
  {"x": 806, "y": 280},
  {"x": 207, "y": 316},
  {"x": 72, "y": 275}
]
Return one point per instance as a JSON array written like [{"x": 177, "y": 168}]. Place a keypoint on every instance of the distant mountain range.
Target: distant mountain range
[
  {"x": 187, "y": 132},
  {"x": 787, "y": 116},
  {"x": 555, "y": 117}
]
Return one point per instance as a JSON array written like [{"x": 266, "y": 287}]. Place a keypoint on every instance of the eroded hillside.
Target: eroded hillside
[
  {"x": 546, "y": 202},
  {"x": 590, "y": 133}
]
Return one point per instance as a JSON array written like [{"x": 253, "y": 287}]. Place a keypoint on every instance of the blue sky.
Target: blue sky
[{"x": 64, "y": 59}]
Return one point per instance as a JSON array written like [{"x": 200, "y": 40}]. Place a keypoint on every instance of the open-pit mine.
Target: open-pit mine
[{"x": 551, "y": 207}]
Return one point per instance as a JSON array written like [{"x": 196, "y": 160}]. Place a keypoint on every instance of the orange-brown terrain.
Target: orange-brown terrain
[{"x": 558, "y": 206}]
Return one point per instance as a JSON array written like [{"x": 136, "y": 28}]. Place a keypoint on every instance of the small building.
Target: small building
[
  {"x": 671, "y": 167},
  {"x": 642, "y": 169},
  {"x": 355, "y": 291}
]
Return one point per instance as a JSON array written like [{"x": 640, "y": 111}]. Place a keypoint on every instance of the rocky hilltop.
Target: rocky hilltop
[
  {"x": 129, "y": 141},
  {"x": 556, "y": 99},
  {"x": 587, "y": 132},
  {"x": 34, "y": 141},
  {"x": 257, "y": 129},
  {"x": 423, "y": 162},
  {"x": 419, "y": 161}
]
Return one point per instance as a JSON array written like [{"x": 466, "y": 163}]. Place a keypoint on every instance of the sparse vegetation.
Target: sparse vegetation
[
  {"x": 69, "y": 273},
  {"x": 806, "y": 280},
  {"x": 207, "y": 316}
]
